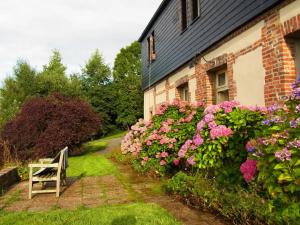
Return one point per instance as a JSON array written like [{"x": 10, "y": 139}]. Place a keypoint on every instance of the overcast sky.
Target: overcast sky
[{"x": 31, "y": 29}]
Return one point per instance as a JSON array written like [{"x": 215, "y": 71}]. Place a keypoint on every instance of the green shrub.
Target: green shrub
[{"x": 277, "y": 152}]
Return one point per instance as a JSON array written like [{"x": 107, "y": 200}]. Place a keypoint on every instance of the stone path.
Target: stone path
[{"x": 122, "y": 188}]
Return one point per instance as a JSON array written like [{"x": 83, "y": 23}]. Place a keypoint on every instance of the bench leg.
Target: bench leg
[
  {"x": 30, "y": 184},
  {"x": 58, "y": 186}
]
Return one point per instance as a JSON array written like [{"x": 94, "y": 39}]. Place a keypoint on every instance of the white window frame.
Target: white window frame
[
  {"x": 220, "y": 88},
  {"x": 184, "y": 92}
]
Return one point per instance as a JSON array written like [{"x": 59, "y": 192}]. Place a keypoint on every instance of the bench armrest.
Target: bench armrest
[
  {"x": 53, "y": 165},
  {"x": 45, "y": 160}
]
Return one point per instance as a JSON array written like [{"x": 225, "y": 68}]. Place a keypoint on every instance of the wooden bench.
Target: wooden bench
[{"x": 51, "y": 170}]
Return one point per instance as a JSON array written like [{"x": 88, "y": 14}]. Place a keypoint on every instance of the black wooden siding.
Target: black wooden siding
[{"x": 173, "y": 48}]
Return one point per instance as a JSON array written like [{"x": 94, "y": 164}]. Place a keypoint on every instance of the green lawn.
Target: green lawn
[
  {"x": 132, "y": 214},
  {"x": 91, "y": 163}
]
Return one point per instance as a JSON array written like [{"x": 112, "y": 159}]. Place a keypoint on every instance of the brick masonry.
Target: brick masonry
[
  {"x": 278, "y": 54},
  {"x": 278, "y": 60}
]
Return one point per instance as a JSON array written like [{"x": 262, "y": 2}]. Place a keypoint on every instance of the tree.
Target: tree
[
  {"x": 16, "y": 89},
  {"x": 96, "y": 86},
  {"x": 127, "y": 81},
  {"x": 53, "y": 77},
  {"x": 25, "y": 83},
  {"x": 45, "y": 125}
]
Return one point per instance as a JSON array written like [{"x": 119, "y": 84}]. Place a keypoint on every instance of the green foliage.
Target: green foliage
[
  {"x": 127, "y": 83},
  {"x": 16, "y": 90},
  {"x": 96, "y": 85},
  {"x": 240, "y": 205},
  {"x": 25, "y": 83},
  {"x": 278, "y": 156}
]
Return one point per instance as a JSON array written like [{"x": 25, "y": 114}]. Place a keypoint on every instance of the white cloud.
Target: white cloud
[{"x": 31, "y": 29}]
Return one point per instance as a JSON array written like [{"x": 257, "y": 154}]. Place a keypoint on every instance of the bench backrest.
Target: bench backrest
[{"x": 61, "y": 158}]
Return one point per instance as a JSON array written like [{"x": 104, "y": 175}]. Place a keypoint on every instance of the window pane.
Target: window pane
[
  {"x": 196, "y": 9},
  {"x": 221, "y": 79},
  {"x": 183, "y": 15},
  {"x": 222, "y": 96}
]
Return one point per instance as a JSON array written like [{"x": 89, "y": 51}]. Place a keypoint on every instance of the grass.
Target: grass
[
  {"x": 91, "y": 163},
  {"x": 131, "y": 214},
  {"x": 10, "y": 199}
]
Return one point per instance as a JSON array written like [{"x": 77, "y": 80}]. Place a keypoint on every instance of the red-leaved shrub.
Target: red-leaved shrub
[{"x": 46, "y": 125}]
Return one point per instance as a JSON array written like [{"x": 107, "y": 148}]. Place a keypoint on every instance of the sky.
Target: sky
[{"x": 31, "y": 29}]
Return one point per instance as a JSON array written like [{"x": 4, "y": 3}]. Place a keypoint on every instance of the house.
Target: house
[{"x": 213, "y": 51}]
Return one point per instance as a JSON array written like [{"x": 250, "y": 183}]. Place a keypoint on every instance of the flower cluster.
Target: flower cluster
[
  {"x": 283, "y": 155},
  {"x": 296, "y": 90},
  {"x": 132, "y": 140},
  {"x": 248, "y": 169}
]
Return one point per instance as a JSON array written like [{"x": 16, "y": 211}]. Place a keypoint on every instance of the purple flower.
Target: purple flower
[
  {"x": 198, "y": 140},
  {"x": 191, "y": 160},
  {"x": 200, "y": 125},
  {"x": 250, "y": 146},
  {"x": 283, "y": 155},
  {"x": 295, "y": 123},
  {"x": 212, "y": 125},
  {"x": 294, "y": 144},
  {"x": 208, "y": 118}
]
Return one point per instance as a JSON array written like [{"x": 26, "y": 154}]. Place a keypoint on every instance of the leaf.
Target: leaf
[
  {"x": 284, "y": 177},
  {"x": 279, "y": 166}
]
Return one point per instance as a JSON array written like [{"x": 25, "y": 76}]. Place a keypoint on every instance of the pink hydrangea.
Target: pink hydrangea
[
  {"x": 149, "y": 143},
  {"x": 146, "y": 158},
  {"x": 164, "y": 154},
  {"x": 191, "y": 160},
  {"x": 227, "y": 106},
  {"x": 220, "y": 131},
  {"x": 248, "y": 169},
  {"x": 198, "y": 140},
  {"x": 181, "y": 153},
  {"x": 283, "y": 155},
  {"x": 163, "y": 141},
  {"x": 212, "y": 109},
  {"x": 176, "y": 162},
  {"x": 212, "y": 125},
  {"x": 172, "y": 140},
  {"x": 200, "y": 125},
  {"x": 208, "y": 118},
  {"x": 162, "y": 162}
]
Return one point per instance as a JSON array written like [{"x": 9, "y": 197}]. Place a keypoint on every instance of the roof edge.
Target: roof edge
[{"x": 157, "y": 13}]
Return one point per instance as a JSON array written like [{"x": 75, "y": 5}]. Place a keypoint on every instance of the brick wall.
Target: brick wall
[
  {"x": 278, "y": 60},
  {"x": 278, "y": 53}
]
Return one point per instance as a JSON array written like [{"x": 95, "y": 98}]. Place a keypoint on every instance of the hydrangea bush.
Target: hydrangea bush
[
  {"x": 230, "y": 145},
  {"x": 275, "y": 156},
  {"x": 189, "y": 137}
]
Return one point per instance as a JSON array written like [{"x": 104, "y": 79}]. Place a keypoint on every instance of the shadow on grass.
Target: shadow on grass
[{"x": 124, "y": 220}]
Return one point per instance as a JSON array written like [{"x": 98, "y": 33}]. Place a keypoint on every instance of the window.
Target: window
[
  {"x": 195, "y": 10},
  {"x": 183, "y": 91},
  {"x": 151, "y": 47},
  {"x": 183, "y": 15},
  {"x": 222, "y": 93}
]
